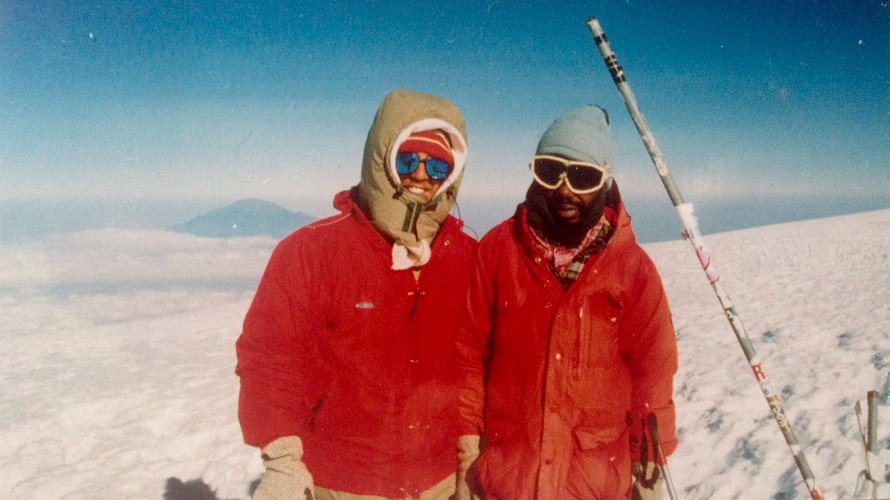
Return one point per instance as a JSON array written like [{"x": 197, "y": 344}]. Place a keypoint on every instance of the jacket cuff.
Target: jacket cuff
[{"x": 283, "y": 446}]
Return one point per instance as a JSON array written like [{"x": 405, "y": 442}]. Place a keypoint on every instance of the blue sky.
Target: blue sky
[{"x": 762, "y": 106}]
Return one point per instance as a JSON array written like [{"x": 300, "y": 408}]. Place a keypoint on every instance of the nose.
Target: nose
[
  {"x": 563, "y": 189},
  {"x": 420, "y": 174}
]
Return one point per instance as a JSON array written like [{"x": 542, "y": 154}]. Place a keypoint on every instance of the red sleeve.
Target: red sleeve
[
  {"x": 473, "y": 342},
  {"x": 273, "y": 352},
  {"x": 652, "y": 359}
]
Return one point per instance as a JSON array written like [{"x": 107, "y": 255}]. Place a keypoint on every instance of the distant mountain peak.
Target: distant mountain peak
[
  {"x": 254, "y": 204},
  {"x": 247, "y": 217}
]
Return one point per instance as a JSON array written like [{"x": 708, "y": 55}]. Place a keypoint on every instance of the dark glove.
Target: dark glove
[{"x": 648, "y": 482}]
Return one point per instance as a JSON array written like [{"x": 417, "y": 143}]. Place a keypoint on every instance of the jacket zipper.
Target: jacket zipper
[{"x": 581, "y": 344}]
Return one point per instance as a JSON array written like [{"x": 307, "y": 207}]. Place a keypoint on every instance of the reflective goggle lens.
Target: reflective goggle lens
[
  {"x": 584, "y": 178},
  {"x": 581, "y": 177},
  {"x": 406, "y": 163},
  {"x": 436, "y": 168},
  {"x": 548, "y": 171}
]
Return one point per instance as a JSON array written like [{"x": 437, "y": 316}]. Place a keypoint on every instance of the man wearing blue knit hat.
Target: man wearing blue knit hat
[{"x": 568, "y": 355}]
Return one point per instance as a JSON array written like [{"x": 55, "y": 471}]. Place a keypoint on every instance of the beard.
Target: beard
[{"x": 543, "y": 207}]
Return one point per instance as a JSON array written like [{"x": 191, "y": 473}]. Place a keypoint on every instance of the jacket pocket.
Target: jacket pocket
[
  {"x": 600, "y": 467},
  {"x": 596, "y": 323},
  {"x": 589, "y": 439}
]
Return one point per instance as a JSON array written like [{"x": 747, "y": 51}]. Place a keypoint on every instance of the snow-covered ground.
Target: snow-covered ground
[{"x": 117, "y": 361}]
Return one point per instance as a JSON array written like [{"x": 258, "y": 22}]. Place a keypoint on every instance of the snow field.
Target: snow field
[{"x": 118, "y": 360}]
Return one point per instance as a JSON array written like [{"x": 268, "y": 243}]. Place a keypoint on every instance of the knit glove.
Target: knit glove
[
  {"x": 286, "y": 476},
  {"x": 648, "y": 483},
  {"x": 467, "y": 453}
]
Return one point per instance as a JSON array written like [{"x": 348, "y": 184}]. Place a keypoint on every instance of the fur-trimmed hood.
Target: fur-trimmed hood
[{"x": 408, "y": 218}]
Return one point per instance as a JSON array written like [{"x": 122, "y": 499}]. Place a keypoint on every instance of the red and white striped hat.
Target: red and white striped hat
[{"x": 432, "y": 142}]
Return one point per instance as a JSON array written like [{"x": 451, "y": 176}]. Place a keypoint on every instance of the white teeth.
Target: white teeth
[{"x": 416, "y": 190}]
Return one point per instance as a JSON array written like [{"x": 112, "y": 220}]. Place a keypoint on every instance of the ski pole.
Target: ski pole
[
  {"x": 872, "y": 398},
  {"x": 866, "y": 478},
  {"x": 691, "y": 232},
  {"x": 660, "y": 458}
]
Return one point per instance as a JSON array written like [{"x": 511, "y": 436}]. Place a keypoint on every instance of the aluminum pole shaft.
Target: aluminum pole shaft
[{"x": 690, "y": 227}]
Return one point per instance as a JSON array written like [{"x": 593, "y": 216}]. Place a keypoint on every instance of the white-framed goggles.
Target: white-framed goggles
[{"x": 580, "y": 177}]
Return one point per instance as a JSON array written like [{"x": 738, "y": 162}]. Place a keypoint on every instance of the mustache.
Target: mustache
[{"x": 559, "y": 199}]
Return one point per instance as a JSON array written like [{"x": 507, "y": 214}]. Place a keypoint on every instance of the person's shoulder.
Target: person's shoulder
[
  {"x": 332, "y": 223},
  {"x": 499, "y": 233},
  {"x": 635, "y": 263},
  {"x": 453, "y": 230},
  {"x": 627, "y": 248},
  {"x": 626, "y": 240},
  {"x": 465, "y": 240},
  {"x": 345, "y": 220},
  {"x": 319, "y": 232}
]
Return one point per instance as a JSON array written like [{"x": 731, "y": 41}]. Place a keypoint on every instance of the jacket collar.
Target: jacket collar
[
  {"x": 614, "y": 212},
  {"x": 349, "y": 203}
]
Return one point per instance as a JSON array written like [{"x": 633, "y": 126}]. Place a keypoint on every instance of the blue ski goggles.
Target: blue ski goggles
[
  {"x": 437, "y": 168},
  {"x": 580, "y": 177}
]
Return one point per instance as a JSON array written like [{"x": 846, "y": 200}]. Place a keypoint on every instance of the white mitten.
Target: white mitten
[
  {"x": 467, "y": 453},
  {"x": 649, "y": 483},
  {"x": 286, "y": 476}
]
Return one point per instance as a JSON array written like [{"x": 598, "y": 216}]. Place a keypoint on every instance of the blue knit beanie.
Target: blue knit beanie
[{"x": 582, "y": 135}]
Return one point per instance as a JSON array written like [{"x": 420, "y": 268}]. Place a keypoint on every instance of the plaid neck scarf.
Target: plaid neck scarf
[{"x": 567, "y": 263}]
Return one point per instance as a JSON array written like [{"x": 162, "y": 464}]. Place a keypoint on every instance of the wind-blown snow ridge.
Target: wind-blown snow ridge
[{"x": 118, "y": 360}]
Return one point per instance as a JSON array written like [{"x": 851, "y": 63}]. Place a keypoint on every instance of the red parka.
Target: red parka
[
  {"x": 355, "y": 358},
  {"x": 557, "y": 382}
]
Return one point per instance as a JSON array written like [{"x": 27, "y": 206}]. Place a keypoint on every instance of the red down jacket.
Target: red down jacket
[
  {"x": 557, "y": 382},
  {"x": 355, "y": 358}
]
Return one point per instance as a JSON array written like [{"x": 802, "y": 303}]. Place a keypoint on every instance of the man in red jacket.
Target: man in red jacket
[
  {"x": 346, "y": 359},
  {"x": 569, "y": 349}
]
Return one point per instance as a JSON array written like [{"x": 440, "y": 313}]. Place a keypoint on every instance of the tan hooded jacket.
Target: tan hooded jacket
[{"x": 407, "y": 218}]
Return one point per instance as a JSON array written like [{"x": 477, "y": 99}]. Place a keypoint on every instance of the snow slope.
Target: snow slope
[{"x": 117, "y": 361}]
